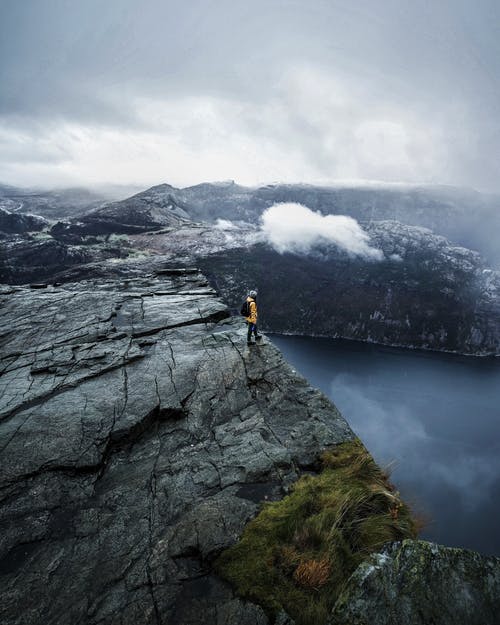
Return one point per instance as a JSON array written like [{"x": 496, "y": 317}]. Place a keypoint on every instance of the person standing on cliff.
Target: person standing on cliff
[{"x": 252, "y": 317}]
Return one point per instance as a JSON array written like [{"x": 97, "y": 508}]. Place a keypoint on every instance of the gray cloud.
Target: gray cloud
[{"x": 175, "y": 91}]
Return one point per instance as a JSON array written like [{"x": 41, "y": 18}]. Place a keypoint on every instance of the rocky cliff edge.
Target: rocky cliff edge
[{"x": 138, "y": 433}]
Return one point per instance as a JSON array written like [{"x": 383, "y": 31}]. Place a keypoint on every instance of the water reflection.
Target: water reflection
[{"x": 434, "y": 418}]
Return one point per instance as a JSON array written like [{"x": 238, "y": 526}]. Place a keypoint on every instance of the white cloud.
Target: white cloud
[{"x": 294, "y": 227}]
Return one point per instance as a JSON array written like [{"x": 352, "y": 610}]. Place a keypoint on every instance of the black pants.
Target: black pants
[{"x": 252, "y": 327}]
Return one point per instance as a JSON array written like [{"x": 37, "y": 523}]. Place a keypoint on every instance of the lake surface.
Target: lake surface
[{"x": 435, "y": 418}]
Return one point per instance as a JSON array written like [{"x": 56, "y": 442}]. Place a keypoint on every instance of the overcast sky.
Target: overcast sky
[{"x": 150, "y": 91}]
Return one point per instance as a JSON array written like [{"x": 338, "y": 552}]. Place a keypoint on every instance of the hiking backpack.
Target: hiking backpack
[{"x": 245, "y": 309}]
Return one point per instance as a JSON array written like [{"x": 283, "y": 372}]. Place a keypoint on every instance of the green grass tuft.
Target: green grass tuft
[{"x": 298, "y": 552}]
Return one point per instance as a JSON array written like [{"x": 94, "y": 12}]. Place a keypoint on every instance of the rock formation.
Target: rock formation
[
  {"x": 35, "y": 257},
  {"x": 16, "y": 223},
  {"x": 138, "y": 434},
  {"x": 419, "y": 583}
]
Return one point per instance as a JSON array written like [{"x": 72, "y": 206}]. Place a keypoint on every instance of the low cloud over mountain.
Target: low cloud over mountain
[{"x": 291, "y": 227}]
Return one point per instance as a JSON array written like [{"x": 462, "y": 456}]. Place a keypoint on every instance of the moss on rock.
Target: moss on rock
[
  {"x": 298, "y": 553},
  {"x": 417, "y": 583}
]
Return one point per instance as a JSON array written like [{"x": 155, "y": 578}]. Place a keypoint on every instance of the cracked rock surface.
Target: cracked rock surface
[{"x": 138, "y": 433}]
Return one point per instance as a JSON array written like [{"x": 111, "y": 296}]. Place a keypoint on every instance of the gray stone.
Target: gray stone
[
  {"x": 420, "y": 583},
  {"x": 282, "y": 618},
  {"x": 138, "y": 434}
]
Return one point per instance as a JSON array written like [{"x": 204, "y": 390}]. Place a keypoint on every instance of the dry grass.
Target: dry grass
[
  {"x": 298, "y": 552},
  {"x": 312, "y": 574}
]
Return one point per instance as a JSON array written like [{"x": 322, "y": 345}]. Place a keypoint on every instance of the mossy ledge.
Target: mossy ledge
[{"x": 297, "y": 553}]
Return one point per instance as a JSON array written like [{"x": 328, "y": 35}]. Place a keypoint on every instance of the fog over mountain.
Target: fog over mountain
[{"x": 393, "y": 91}]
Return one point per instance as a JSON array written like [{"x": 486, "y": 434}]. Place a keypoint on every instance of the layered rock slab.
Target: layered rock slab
[{"x": 138, "y": 433}]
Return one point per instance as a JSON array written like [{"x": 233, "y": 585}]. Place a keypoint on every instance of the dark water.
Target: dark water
[{"x": 435, "y": 417}]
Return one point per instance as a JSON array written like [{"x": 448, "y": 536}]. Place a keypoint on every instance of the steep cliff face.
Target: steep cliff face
[
  {"x": 425, "y": 293},
  {"x": 138, "y": 434}
]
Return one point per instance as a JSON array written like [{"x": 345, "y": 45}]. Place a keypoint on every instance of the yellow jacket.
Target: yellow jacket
[{"x": 252, "y": 305}]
